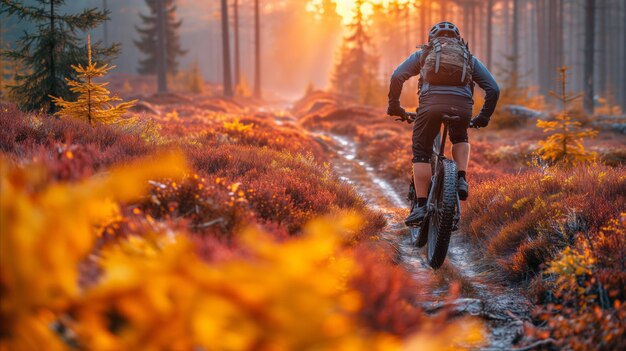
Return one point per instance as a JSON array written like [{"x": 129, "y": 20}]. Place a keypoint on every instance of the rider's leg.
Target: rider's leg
[
  {"x": 461, "y": 154},
  {"x": 425, "y": 129},
  {"x": 421, "y": 176}
]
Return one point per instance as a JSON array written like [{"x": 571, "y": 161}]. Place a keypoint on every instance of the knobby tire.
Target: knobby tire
[{"x": 441, "y": 221}]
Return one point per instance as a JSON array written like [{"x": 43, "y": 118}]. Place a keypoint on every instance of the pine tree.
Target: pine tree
[
  {"x": 355, "y": 73},
  {"x": 149, "y": 34},
  {"x": 237, "y": 61},
  {"x": 94, "y": 103},
  {"x": 8, "y": 70},
  {"x": 565, "y": 144},
  {"x": 257, "y": 50},
  {"x": 46, "y": 54},
  {"x": 589, "y": 55},
  {"x": 227, "y": 82},
  {"x": 196, "y": 83}
]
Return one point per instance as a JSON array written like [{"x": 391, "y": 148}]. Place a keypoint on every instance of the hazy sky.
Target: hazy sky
[{"x": 201, "y": 36}]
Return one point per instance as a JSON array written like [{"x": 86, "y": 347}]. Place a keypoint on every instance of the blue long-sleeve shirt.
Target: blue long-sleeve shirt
[{"x": 480, "y": 75}]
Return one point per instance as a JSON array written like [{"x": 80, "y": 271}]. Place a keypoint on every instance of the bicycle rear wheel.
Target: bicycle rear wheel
[{"x": 441, "y": 220}]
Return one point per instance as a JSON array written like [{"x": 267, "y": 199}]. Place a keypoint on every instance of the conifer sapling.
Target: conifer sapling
[
  {"x": 565, "y": 144},
  {"x": 94, "y": 104},
  {"x": 47, "y": 49}
]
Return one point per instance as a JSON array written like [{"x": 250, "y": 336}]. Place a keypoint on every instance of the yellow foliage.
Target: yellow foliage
[
  {"x": 127, "y": 88},
  {"x": 7, "y": 77},
  {"x": 565, "y": 143},
  {"x": 172, "y": 116},
  {"x": 238, "y": 127},
  {"x": 154, "y": 293},
  {"x": 243, "y": 88},
  {"x": 194, "y": 79},
  {"x": 46, "y": 231},
  {"x": 573, "y": 263},
  {"x": 607, "y": 107},
  {"x": 9, "y": 69},
  {"x": 94, "y": 105}
]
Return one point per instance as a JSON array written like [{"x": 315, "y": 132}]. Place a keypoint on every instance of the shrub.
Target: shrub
[
  {"x": 306, "y": 188},
  {"x": 584, "y": 285},
  {"x": 70, "y": 149},
  {"x": 565, "y": 143},
  {"x": 153, "y": 291},
  {"x": 534, "y": 215}
]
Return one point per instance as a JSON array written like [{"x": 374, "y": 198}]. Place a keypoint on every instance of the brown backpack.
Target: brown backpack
[{"x": 446, "y": 61}]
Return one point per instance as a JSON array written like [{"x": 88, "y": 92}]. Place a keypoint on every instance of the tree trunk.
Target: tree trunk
[
  {"x": 472, "y": 27},
  {"x": 228, "y": 84},
  {"x": 613, "y": 36},
  {"x": 423, "y": 21},
  {"x": 623, "y": 59},
  {"x": 602, "y": 50},
  {"x": 444, "y": 9},
  {"x": 51, "y": 108},
  {"x": 538, "y": 22},
  {"x": 105, "y": 25},
  {"x": 489, "y": 48},
  {"x": 506, "y": 9},
  {"x": 590, "y": 18},
  {"x": 466, "y": 30},
  {"x": 237, "y": 56},
  {"x": 257, "y": 50},
  {"x": 515, "y": 46},
  {"x": 429, "y": 14},
  {"x": 161, "y": 48}
]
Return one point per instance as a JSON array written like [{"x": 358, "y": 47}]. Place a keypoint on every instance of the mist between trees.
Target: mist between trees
[{"x": 522, "y": 41}]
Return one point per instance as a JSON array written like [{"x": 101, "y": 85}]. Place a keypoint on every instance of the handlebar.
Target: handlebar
[{"x": 412, "y": 116}]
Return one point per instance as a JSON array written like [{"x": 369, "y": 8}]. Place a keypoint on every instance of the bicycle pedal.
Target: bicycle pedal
[{"x": 455, "y": 224}]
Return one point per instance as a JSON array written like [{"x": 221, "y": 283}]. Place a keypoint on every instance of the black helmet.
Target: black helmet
[{"x": 442, "y": 29}]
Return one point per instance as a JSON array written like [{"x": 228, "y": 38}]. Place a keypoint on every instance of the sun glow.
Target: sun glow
[{"x": 345, "y": 8}]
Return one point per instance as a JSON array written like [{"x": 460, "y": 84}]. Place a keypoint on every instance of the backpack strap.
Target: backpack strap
[
  {"x": 437, "y": 45},
  {"x": 466, "y": 58},
  {"x": 425, "y": 50}
]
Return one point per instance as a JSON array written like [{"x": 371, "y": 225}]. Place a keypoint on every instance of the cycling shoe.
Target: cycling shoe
[
  {"x": 416, "y": 217},
  {"x": 462, "y": 188}
]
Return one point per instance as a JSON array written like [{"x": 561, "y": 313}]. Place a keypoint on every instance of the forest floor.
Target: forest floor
[
  {"x": 504, "y": 309},
  {"x": 543, "y": 267}
]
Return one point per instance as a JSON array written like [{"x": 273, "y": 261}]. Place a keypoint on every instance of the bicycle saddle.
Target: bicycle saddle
[{"x": 447, "y": 118}]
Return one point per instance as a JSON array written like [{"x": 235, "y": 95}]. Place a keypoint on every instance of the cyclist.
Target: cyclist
[{"x": 438, "y": 97}]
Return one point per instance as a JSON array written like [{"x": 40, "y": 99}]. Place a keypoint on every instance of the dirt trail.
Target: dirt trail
[{"x": 504, "y": 309}]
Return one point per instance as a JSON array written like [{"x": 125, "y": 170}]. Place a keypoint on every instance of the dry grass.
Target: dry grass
[
  {"x": 245, "y": 172},
  {"x": 524, "y": 220}
]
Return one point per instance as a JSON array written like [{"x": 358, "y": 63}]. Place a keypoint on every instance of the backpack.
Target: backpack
[{"x": 446, "y": 61}]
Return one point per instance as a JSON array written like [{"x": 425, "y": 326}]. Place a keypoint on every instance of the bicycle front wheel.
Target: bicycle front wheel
[{"x": 441, "y": 220}]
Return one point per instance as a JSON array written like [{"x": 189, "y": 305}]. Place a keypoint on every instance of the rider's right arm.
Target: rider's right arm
[
  {"x": 409, "y": 68},
  {"x": 485, "y": 80}
]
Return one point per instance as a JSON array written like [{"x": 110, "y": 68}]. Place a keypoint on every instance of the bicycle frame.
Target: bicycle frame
[
  {"x": 442, "y": 211},
  {"x": 439, "y": 147}
]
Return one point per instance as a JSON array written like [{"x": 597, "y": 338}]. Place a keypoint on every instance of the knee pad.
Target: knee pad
[
  {"x": 461, "y": 137},
  {"x": 421, "y": 159},
  {"x": 459, "y": 140}
]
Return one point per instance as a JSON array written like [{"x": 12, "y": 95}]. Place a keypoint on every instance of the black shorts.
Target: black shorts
[{"x": 428, "y": 123}]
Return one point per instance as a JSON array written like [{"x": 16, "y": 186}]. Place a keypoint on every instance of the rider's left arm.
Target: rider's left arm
[
  {"x": 409, "y": 68},
  {"x": 485, "y": 81}
]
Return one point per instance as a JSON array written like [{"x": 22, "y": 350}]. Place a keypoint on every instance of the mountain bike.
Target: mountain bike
[{"x": 443, "y": 205}]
